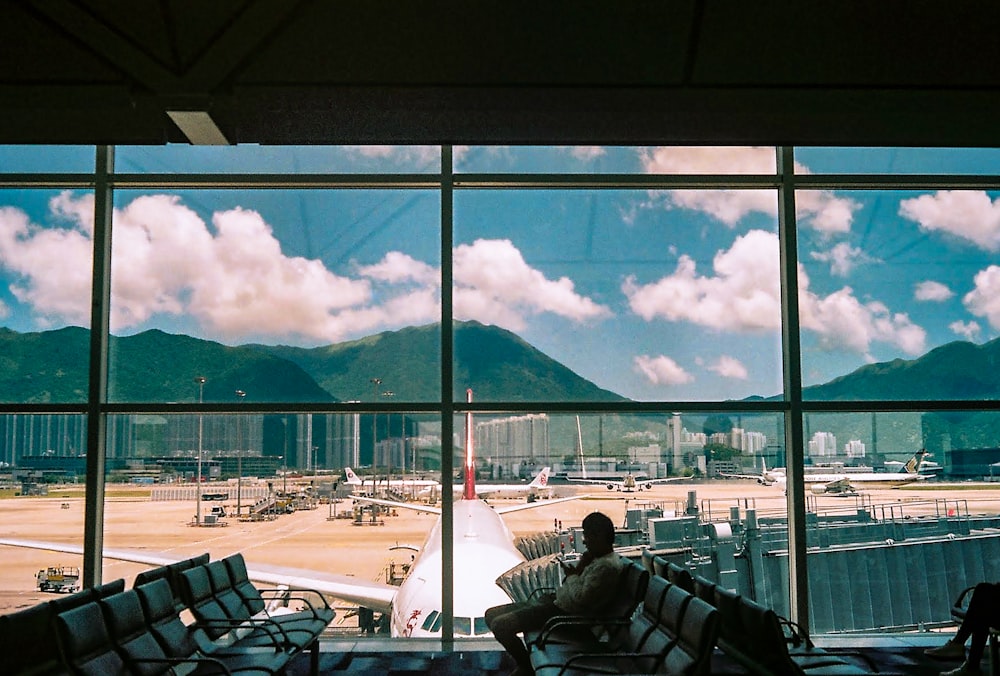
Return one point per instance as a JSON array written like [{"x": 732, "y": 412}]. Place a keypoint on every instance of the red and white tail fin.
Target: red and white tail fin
[
  {"x": 542, "y": 479},
  {"x": 352, "y": 478},
  {"x": 469, "y": 491}
]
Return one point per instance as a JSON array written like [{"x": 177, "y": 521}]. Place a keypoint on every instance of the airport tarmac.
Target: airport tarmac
[{"x": 314, "y": 540}]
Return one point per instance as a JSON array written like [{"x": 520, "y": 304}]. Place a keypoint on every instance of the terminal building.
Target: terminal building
[{"x": 102, "y": 104}]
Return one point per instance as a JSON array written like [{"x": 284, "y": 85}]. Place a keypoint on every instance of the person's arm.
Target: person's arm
[{"x": 588, "y": 590}]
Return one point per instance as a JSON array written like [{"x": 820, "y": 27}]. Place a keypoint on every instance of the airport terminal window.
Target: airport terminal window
[
  {"x": 280, "y": 314},
  {"x": 684, "y": 283},
  {"x": 45, "y": 305},
  {"x": 293, "y": 270}
]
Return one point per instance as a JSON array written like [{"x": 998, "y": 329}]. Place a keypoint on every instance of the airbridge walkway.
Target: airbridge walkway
[{"x": 872, "y": 568}]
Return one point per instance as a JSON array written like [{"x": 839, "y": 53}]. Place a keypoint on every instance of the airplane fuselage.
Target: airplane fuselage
[{"x": 483, "y": 550}]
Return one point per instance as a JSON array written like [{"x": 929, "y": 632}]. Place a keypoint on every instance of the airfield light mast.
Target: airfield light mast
[
  {"x": 197, "y": 493},
  {"x": 240, "y": 394},
  {"x": 377, "y": 382}
]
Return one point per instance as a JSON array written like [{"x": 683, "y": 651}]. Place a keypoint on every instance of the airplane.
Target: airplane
[
  {"x": 629, "y": 483},
  {"x": 538, "y": 484},
  {"x": 827, "y": 482},
  {"x": 764, "y": 478},
  {"x": 354, "y": 480},
  {"x": 483, "y": 549}
]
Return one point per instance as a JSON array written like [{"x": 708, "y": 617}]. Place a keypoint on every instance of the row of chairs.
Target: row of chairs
[
  {"x": 756, "y": 637},
  {"x": 143, "y": 630},
  {"x": 668, "y": 631}
]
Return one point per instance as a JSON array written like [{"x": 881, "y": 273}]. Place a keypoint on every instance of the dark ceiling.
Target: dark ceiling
[{"x": 868, "y": 72}]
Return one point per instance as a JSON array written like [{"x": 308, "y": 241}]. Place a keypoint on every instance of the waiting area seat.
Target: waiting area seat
[
  {"x": 670, "y": 632},
  {"x": 109, "y": 630}
]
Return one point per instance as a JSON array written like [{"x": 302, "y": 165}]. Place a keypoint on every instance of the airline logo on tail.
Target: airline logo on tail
[
  {"x": 542, "y": 480},
  {"x": 914, "y": 464},
  {"x": 352, "y": 478}
]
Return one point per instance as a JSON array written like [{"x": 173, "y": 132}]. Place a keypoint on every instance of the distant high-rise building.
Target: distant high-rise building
[{"x": 823, "y": 445}]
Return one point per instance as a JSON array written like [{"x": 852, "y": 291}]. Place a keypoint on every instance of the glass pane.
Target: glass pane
[
  {"x": 614, "y": 160},
  {"x": 46, "y": 159},
  {"x": 900, "y": 160},
  {"x": 693, "y": 487},
  {"x": 254, "y": 159},
  {"x": 271, "y": 292},
  {"x": 878, "y": 505},
  {"x": 600, "y": 296},
  {"x": 896, "y": 296},
  {"x": 277, "y": 483},
  {"x": 42, "y": 465},
  {"x": 46, "y": 246}
]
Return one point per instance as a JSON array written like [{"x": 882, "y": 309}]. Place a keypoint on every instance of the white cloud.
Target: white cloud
[
  {"x": 820, "y": 209},
  {"x": 729, "y": 367},
  {"x": 234, "y": 280},
  {"x": 744, "y": 295},
  {"x": 494, "y": 284},
  {"x": 587, "y": 153},
  {"x": 984, "y": 299},
  {"x": 967, "y": 214},
  {"x": 842, "y": 322},
  {"x": 661, "y": 370},
  {"x": 932, "y": 291},
  {"x": 842, "y": 258},
  {"x": 421, "y": 156},
  {"x": 398, "y": 267},
  {"x": 51, "y": 266},
  {"x": 968, "y": 330}
]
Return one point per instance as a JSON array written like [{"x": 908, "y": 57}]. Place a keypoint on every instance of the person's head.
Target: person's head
[{"x": 598, "y": 533}]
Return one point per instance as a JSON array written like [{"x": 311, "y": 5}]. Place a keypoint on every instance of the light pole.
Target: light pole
[
  {"x": 240, "y": 394},
  {"x": 200, "y": 380},
  {"x": 377, "y": 382},
  {"x": 388, "y": 435}
]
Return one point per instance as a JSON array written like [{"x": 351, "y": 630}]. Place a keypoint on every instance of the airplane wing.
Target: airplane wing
[
  {"x": 760, "y": 478},
  {"x": 374, "y": 595},
  {"x": 610, "y": 483},
  {"x": 506, "y": 509}
]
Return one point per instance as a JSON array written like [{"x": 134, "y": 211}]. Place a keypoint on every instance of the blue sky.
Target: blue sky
[{"x": 652, "y": 294}]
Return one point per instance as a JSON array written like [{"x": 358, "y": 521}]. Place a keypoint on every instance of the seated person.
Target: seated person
[
  {"x": 588, "y": 588},
  {"x": 983, "y": 612}
]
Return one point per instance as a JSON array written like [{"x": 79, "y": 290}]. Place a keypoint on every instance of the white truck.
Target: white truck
[{"x": 58, "y": 579}]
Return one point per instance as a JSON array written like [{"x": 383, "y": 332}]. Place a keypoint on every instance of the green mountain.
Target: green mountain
[
  {"x": 958, "y": 370},
  {"x": 152, "y": 366},
  {"x": 495, "y": 363}
]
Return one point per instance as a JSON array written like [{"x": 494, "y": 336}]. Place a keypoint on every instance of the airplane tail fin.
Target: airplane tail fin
[
  {"x": 914, "y": 464},
  {"x": 542, "y": 479},
  {"x": 469, "y": 488},
  {"x": 352, "y": 478}
]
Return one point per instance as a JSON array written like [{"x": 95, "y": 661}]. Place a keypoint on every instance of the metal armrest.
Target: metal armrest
[
  {"x": 558, "y": 621},
  {"x": 611, "y": 669},
  {"x": 265, "y": 623}
]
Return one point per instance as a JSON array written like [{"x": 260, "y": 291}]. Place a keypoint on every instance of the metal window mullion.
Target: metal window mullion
[
  {"x": 276, "y": 181},
  {"x": 798, "y": 581},
  {"x": 447, "y": 400},
  {"x": 93, "y": 526}
]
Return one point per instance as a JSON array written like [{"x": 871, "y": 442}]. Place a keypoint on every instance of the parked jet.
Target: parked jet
[
  {"x": 822, "y": 480},
  {"x": 397, "y": 484},
  {"x": 629, "y": 483},
  {"x": 483, "y": 549},
  {"x": 765, "y": 478},
  {"x": 538, "y": 485}
]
